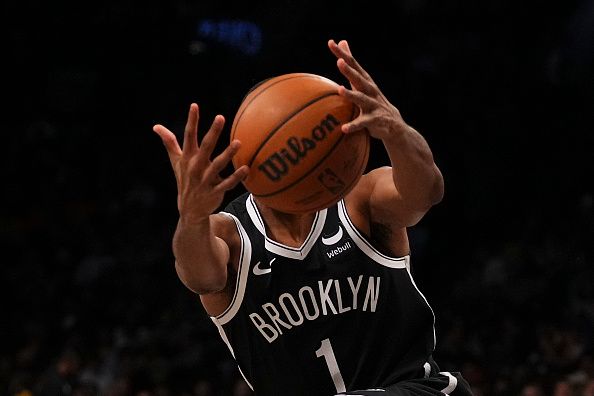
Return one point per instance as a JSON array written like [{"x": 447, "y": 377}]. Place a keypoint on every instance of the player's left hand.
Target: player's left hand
[{"x": 376, "y": 114}]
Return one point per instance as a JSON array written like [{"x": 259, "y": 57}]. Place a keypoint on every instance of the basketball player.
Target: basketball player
[{"x": 321, "y": 303}]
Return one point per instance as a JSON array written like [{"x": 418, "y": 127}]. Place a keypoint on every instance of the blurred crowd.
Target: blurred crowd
[{"x": 91, "y": 301}]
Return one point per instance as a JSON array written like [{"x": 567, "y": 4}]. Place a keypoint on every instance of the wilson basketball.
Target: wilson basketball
[{"x": 290, "y": 129}]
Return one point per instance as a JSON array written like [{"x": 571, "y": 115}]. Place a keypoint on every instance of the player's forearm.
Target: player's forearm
[
  {"x": 415, "y": 174},
  {"x": 201, "y": 257}
]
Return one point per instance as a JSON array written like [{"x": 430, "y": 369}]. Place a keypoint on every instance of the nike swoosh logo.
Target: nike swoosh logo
[
  {"x": 262, "y": 271},
  {"x": 334, "y": 238}
]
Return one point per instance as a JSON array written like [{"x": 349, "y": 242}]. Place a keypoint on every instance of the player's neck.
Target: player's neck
[{"x": 286, "y": 228}]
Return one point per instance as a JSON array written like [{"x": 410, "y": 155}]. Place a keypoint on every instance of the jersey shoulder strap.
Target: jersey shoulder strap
[
  {"x": 237, "y": 206},
  {"x": 239, "y": 211}
]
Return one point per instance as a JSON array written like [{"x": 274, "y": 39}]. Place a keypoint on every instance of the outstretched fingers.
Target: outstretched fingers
[
  {"x": 230, "y": 182},
  {"x": 357, "y": 80},
  {"x": 209, "y": 141},
  {"x": 190, "y": 144},
  {"x": 342, "y": 51},
  {"x": 360, "y": 123},
  {"x": 365, "y": 102},
  {"x": 169, "y": 140},
  {"x": 220, "y": 162}
]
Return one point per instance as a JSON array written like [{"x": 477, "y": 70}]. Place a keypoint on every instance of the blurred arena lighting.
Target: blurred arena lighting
[{"x": 246, "y": 36}]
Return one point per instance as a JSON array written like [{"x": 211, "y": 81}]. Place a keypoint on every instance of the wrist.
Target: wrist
[
  {"x": 397, "y": 131},
  {"x": 194, "y": 219}
]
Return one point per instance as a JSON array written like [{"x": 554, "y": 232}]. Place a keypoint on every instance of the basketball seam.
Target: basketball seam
[
  {"x": 354, "y": 108},
  {"x": 315, "y": 165},
  {"x": 363, "y": 162},
  {"x": 258, "y": 94},
  {"x": 306, "y": 173},
  {"x": 353, "y": 182},
  {"x": 279, "y": 126}
]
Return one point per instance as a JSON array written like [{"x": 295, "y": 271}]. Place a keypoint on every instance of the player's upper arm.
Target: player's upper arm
[
  {"x": 383, "y": 203},
  {"x": 225, "y": 230}
]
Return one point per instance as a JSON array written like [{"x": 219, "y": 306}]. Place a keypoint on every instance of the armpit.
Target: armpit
[{"x": 382, "y": 237}]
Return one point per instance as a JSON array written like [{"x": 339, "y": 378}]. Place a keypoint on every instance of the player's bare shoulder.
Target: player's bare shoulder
[
  {"x": 371, "y": 209},
  {"x": 224, "y": 227},
  {"x": 357, "y": 202},
  {"x": 359, "y": 199}
]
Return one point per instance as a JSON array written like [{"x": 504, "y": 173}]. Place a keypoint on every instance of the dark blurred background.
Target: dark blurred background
[{"x": 502, "y": 90}]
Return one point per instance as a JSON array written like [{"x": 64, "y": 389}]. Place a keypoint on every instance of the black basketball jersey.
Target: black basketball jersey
[{"x": 333, "y": 315}]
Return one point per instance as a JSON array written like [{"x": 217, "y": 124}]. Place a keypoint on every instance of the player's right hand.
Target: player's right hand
[{"x": 200, "y": 188}]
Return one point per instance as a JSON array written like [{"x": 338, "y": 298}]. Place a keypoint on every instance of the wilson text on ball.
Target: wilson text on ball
[{"x": 277, "y": 165}]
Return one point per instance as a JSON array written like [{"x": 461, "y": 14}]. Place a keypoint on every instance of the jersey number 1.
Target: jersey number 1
[{"x": 326, "y": 351}]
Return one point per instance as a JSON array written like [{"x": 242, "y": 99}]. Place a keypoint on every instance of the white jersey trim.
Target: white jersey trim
[
  {"x": 226, "y": 341},
  {"x": 245, "y": 256},
  {"x": 374, "y": 254},
  {"x": 252, "y": 210},
  {"x": 297, "y": 253},
  {"x": 427, "y": 368},
  {"x": 365, "y": 246},
  {"x": 426, "y": 302},
  {"x": 453, "y": 382}
]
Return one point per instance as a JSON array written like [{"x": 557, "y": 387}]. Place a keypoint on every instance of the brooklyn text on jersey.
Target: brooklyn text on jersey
[{"x": 311, "y": 302}]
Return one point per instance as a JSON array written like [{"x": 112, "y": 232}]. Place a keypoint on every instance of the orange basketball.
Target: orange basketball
[{"x": 290, "y": 129}]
